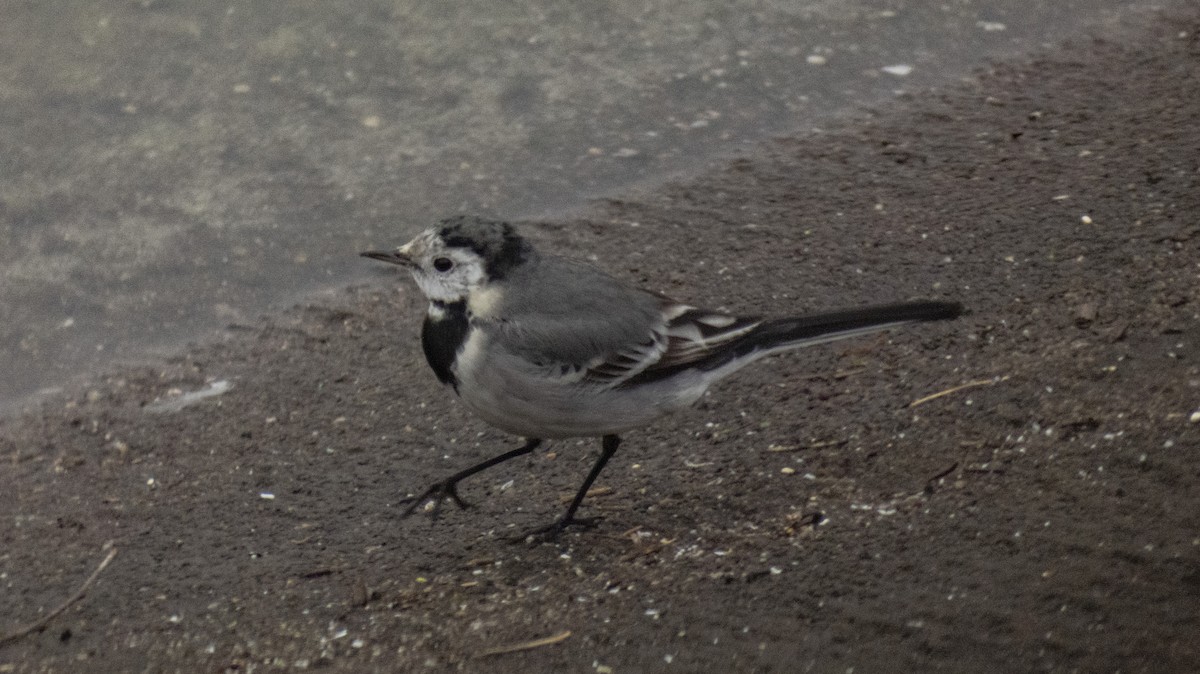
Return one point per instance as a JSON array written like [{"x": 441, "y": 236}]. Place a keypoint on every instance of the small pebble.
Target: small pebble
[{"x": 1085, "y": 313}]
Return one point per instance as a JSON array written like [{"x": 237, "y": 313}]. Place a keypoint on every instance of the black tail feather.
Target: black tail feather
[
  {"x": 784, "y": 333},
  {"x": 818, "y": 328},
  {"x": 784, "y": 330}
]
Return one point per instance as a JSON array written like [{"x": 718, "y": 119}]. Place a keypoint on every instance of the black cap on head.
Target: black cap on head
[{"x": 496, "y": 242}]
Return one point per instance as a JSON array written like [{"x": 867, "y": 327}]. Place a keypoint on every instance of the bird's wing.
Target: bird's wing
[
  {"x": 569, "y": 351},
  {"x": 575, "y": 323},
  {"x": 560, "y": 312},
  {"x": 684, "y": 335}
]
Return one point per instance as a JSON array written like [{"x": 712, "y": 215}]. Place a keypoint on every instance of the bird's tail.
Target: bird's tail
[{"x": 792, "y": 333}]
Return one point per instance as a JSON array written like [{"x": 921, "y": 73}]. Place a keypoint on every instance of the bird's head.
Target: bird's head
[{"x": 459, "y": 256}]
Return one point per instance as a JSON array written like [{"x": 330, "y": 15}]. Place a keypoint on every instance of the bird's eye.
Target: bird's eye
[{"x": 443, "y": 264}]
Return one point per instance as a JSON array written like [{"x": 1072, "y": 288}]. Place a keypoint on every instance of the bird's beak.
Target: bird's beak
[{"x": 401, "y": 256}]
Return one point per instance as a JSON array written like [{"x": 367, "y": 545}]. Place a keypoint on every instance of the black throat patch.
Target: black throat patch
[{"x": 443, "y": 337}]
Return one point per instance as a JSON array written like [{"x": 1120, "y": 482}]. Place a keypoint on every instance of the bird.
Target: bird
[{"x": 547, "y": 347}]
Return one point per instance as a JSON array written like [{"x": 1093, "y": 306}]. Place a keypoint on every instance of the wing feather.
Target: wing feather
[
  {"x": 684, "y": 335},
  {"x": 585, "y": 326}
]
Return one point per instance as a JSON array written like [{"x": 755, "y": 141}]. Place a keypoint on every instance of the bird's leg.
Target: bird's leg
[
  {"x": 608, "y": 447},
  {"x": 448, "y": 488}
]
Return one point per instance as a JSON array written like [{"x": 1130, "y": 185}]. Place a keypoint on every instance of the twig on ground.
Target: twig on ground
[
  {"x": 815, "y": 445},
  {"x": 594, "y": 492},
  {"x": 41, "y": 622},
  {"x": 525, "y": 645},
  {"x": 956, "y": 389},
  {"x": 929, "y": 484},
  {"x": 943, "y": 473}
]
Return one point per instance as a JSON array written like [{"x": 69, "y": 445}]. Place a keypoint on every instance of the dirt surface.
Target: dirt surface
[{"x": 807, "y": 516}]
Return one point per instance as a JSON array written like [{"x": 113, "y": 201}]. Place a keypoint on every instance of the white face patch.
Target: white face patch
[{"x": 444, "y": 274}]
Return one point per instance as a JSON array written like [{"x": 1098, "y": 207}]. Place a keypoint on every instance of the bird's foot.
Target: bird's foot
[
  {"x": 437, "y": 494},
  {"x": 551, "y": 532}
]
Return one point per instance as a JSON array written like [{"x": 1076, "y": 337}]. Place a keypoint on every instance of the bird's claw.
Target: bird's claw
[
  {"x": 550, "y": 532},
  {"x": 437, "y": 493}
]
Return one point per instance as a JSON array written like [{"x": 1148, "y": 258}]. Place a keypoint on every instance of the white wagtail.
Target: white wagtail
[{"x": 547, "y": 347}]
